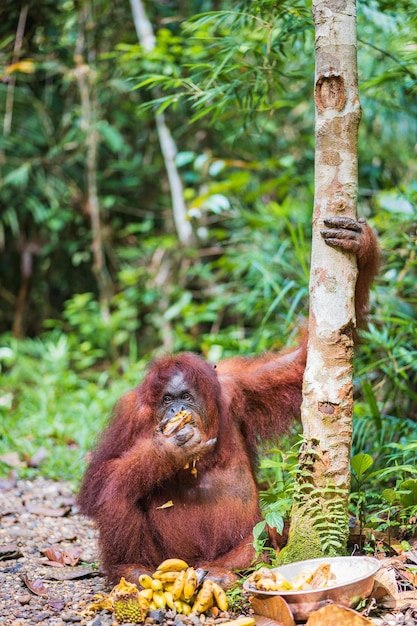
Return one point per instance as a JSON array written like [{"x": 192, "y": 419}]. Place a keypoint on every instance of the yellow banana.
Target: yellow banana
[
  {"x": 166, "y": 577},
  {"x": 305, "y": 576},
  {"x": 156, "y": 585},
  {"x": 169, "y": 600},
  {"x": 178, "y": 605},
  {"x": 182, "y": 607},
  {"x": 266, "y": 584},
  {"x": 186, "y": 609},
  {"x": 159, "y": 599},
  {"x": 178, "y": 586},
  {"x": 147, "y": 594},
  {"x": 145, "y": 581},
  {"x": 170, "y": 565},
  {"x": 204, "y": 599},
  {"x": 190, "y": 584},
  {"x": 245, "y": 620},
  {"x": 177, "y": 422},
  {"x": 144, "y": 603},
  {"x": 220, "y": 597}
]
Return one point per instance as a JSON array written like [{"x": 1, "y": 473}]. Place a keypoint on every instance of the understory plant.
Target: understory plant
[
  {"x": 48, "y": 406},
  {"x": 384, "y": 494}
]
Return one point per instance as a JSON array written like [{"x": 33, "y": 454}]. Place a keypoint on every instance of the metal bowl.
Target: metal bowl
[{"x": 354, "y": 582}]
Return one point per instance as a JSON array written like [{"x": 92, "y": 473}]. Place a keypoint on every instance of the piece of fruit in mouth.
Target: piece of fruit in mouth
[{"x": 177, "y": 422}]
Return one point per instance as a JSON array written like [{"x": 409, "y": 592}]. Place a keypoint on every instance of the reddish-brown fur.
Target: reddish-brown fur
[{"x": 134, "y": 472}]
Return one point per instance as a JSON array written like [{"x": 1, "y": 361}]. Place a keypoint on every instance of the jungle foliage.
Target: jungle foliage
[{"x": 93, "y": 278}]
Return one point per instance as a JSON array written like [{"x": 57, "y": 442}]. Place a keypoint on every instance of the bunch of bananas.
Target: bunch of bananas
[
  {"x": 177, "y": 586},
  {"x": 173, "y": 585}
]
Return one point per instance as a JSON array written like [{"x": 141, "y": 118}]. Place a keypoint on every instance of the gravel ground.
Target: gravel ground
[
  {"x": 28, "y": 527},
  {"x": 37, "y": 515}
]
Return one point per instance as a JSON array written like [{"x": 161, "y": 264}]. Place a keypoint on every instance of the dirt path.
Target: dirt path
[{"x": 28, "y": 527}]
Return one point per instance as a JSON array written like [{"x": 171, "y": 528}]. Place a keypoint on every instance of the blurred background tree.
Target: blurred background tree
[{"x": 93, "y": 278}]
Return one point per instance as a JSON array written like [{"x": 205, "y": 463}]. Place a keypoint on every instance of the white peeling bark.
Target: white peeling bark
[
  {"x": 328, "y": 377},
  {"x": 319, "y": 521}
]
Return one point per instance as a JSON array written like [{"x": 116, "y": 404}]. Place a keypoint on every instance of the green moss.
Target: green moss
[
  {"x": 303, "y": 542},
  {"x": 319, "y": 528}
]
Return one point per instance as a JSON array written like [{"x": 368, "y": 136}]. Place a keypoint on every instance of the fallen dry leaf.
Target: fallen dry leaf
[
  {"x": 400, "y": 601},
  {"x": 55, "y": 555},
  {"x": 408, "y": 597},
  {"x": 409, "y": 574},
  {"x": 10, "y": 551},
  {"x": 57, "y": 605},
  {"x": 72, "y": 556},
  {"x": 395, "y": 561},
  {"x": 12, "y": 459},
  {"x": 385, "y": 583},
  {"x": 274, "y": 607},
  {"x": 38, "y": 509},
  {"x": 10, "y": 481},
  {"x": 59, "y": 557},
  {"x": 335, "y": 614},
  {"x": 38, "y": 457},
  {"x": 411, "y": 556},
  {"x": 36, "y": 586}
]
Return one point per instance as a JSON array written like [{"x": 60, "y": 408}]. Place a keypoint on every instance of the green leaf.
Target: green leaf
[
  {"x": 216, "y": 167},
  {"x": 184, "y": 158},
  {"x": 389, "y": 495},
  {"x": 274, "y": 520},
  {"x": 409, "y": 498},
  {"x": 258, "y": 529},
  {"x": 113, "y": 138},
  {"x": 217, "y": 203},
  {"x": 371, "y": 399},
  {"x": 18, "y": 177},
  {"x": 361, "y": 463}
]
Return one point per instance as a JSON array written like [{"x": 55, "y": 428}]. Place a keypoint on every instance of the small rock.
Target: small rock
[
  {"x": 25, "y": 598},
  {"x": 70, "y": 617},
  {"x": 101, "y": 620},
  {"x": 157, "y": 616},
  {"x": 40, "y": 617}
]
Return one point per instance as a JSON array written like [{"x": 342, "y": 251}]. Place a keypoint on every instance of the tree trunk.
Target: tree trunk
[
  {"x": 168, "y": 148},
  {"x": 8, "y": 113},
  {"x": 319, "y": 519},
  {"x": 89, "y": 108}
]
